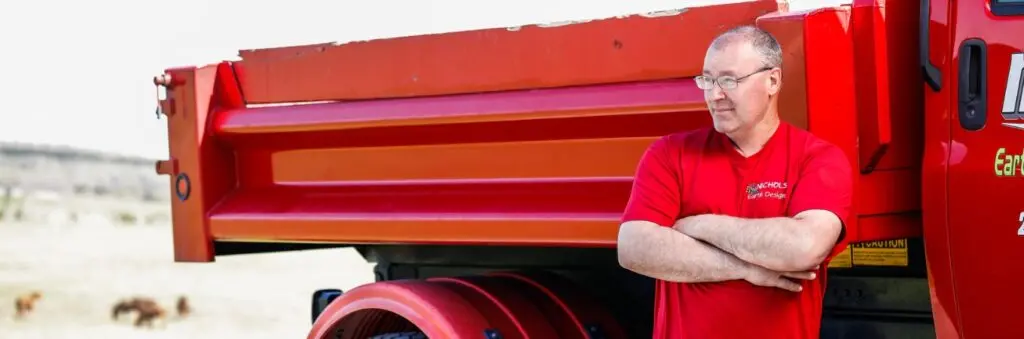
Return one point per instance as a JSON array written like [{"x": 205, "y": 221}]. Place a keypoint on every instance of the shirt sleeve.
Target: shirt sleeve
[
  {"x": 655, "y": 193},
  {"x": 826, "y": 183}
]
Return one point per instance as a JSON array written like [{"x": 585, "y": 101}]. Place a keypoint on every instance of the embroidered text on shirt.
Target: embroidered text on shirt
[{"x": 767, "y": 189}]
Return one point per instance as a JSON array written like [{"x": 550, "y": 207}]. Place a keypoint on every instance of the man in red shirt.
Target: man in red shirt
[{"x": 737, "y": 222}]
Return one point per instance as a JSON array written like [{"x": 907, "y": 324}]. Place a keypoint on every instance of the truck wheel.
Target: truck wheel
[
  {"x": 401, "y": 335},
  {"x": 400, "y": 306}
]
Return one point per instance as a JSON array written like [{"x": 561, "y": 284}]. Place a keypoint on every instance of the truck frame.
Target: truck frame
[{"x": 484, "y": 171}]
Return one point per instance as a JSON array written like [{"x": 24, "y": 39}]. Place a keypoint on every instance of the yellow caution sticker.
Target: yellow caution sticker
[
  {"x": 880, "y": 253},
  {"x": 842, "y": 260},
  {"x": 873, "y": 253}
]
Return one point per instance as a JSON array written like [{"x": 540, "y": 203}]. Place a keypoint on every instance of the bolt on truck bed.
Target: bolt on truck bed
[{"x": 528, "y": 137}]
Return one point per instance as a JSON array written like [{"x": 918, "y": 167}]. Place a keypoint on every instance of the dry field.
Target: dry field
[{"x": 82, "y": 270}]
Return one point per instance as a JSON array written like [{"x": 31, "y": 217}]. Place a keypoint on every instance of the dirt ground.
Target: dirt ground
[{"x": 83, "y": 270}]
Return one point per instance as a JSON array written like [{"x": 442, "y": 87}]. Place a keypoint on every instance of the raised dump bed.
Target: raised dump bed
[{"x": 525, "y": 136}]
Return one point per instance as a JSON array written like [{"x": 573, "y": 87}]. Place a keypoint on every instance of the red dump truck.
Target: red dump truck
[{"x": 485, "y": 171}]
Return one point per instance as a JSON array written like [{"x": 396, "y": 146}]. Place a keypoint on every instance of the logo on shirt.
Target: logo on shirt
[{"x": 767, "y": 190}]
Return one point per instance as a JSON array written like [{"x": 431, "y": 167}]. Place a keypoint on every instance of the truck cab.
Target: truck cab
[
  {"x": 485, "y": 171},
  {"x": 971, "y": 61}
]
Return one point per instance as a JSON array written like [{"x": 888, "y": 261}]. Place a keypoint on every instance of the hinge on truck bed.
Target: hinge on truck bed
[{"x": 162, "y": 105}]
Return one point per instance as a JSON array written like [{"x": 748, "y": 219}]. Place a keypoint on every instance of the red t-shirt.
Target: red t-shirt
[{"x": 698, "y": 172}]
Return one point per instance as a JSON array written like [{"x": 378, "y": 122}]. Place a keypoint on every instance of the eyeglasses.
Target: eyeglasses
[{"x": 724, "y": 82}]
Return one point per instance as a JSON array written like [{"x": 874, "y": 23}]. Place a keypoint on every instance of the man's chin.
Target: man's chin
[{"x": 724, "y": 127}]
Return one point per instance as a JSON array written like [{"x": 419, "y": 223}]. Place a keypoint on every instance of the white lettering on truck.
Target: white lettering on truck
[
  {"x": 1013, "y": 99},
  {"x": 1020, "y": 231}
]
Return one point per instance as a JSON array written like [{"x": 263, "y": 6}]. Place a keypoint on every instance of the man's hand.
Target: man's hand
[{"x": 761, "y": 276}]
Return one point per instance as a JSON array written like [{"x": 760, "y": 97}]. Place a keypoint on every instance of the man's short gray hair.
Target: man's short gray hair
[{"x": 762, "y": 41}]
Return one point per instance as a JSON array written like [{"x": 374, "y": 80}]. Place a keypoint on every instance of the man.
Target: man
[{"x": 737, "y": 222}]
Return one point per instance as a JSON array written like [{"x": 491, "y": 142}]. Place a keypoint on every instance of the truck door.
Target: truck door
[{"x": 986, "y": 164}]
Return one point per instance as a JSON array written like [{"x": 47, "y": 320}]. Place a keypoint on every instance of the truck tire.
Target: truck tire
[{"x": 401, "y": 335}]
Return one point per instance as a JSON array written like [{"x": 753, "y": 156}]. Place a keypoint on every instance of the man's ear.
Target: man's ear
[{"x": 774, "y": 81}]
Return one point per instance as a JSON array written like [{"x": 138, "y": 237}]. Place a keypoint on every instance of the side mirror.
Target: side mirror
[{"x": 322, "y": 298}]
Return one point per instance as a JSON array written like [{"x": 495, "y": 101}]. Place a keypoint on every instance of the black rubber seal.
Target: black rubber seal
[{"x": 177, "y": 186}]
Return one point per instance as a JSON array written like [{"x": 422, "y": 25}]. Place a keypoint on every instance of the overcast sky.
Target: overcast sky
[{"x": 79, "y": 72}]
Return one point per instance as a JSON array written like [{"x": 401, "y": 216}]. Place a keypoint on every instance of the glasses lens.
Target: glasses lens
[
  {"x": 727, "y": 82},
  {"x": 703, "y": 82}
]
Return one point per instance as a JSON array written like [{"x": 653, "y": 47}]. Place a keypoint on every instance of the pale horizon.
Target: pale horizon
[{"x": 79, "y": 74}]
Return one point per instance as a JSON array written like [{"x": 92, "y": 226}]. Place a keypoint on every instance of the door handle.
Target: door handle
[
  {"x": 932, "y": 76},
  {"x": 973, "y": 85}
]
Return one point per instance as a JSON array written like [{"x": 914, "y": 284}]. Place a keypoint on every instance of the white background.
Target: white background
[{"x": 79, "y": 73}]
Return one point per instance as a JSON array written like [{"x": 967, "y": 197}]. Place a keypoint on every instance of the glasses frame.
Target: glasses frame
[{"x": 726, "y": 82}]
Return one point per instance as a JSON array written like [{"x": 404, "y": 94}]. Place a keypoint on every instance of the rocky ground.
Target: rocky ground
[{"x": 65, "y": 170}]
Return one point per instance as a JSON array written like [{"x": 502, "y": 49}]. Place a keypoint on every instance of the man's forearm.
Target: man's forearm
[
  {"x": 664, "y": 253},
  {"x": 782, "y": 244}
]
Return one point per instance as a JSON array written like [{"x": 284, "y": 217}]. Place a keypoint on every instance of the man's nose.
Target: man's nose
[{"x": 715, "y": 92}]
